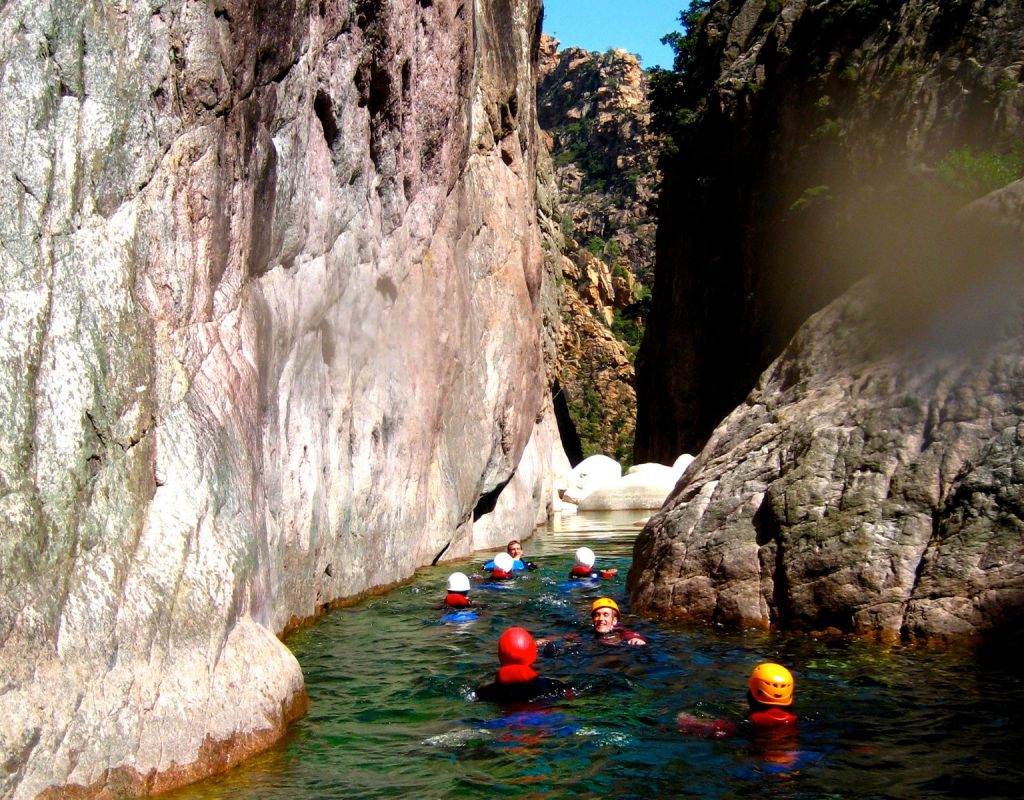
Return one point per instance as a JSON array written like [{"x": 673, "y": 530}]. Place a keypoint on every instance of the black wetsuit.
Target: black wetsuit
[
  {"x": 616, "y": 636},
  {"x": 522, "y": 691}
]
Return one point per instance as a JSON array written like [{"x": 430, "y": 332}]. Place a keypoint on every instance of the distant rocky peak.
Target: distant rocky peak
[{"x": 595, "y": 115}]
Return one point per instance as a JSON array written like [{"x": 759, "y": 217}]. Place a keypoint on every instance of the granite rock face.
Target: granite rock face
[
  {"x": 873, "y": 481},
  {"x": 269, "y": 331},
  {"x": 800, "y": 130},
  {"x": 595, "y": 116}
]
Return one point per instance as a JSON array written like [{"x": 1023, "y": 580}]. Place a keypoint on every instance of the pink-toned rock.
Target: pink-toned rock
[{"x": 270, "y": 330}]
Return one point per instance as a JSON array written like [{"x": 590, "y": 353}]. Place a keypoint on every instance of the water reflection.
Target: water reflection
[{"x": 393, "y": 713}]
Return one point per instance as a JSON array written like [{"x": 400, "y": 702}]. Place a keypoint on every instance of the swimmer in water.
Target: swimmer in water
[
  {"x": 769, "y": 697},
  {"x": 605, "y": 615},
  {"x": 458, "y": 592},
  {"x": 584, "y": 568},
  {"x": 517, "y": 681},
  {"x": 502, "y": 567},
  {"x": 515, "y": 549}
]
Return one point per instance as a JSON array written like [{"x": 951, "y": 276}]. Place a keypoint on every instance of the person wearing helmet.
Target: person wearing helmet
[
  {"x": 458, "y": 592},
  {"x": 502, "y": 566},
  {"x": 584, "y": 569},
  {"x": 605, "y": 616},
  {"x": 517, "y": 681},
  {"x": 514, "y": 549},
  {"x": 770, "y": 695}
]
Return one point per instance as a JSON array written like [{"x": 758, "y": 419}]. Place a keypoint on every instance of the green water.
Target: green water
[{"x": 393, "y": 714}]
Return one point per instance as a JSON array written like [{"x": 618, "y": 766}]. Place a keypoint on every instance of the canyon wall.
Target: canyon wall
[
  {"x": 594, "y": 113},
  {"x": 869, "y": 481},
  {"x": 270, "y": 337},
  {"x": 800, "y": 133}
]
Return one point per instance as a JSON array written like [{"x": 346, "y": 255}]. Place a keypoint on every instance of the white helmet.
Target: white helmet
[
  {"x": 458, "y": 582},
  {"x": 504, "y": 562},
  {"x": 585, "y": 556}
]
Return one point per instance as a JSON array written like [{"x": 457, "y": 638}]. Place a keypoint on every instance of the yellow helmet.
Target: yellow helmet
[
  {"x": 605, "y": 602},
  {"x": 771, "y": 685}
]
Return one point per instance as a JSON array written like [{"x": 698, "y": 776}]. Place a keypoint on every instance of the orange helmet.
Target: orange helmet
[
  {"x": 605, "y": 602},
  {"x": 771, "y": 685}
]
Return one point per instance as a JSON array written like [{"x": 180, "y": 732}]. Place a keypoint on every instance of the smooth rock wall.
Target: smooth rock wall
[{"x": 269, "y": 330}]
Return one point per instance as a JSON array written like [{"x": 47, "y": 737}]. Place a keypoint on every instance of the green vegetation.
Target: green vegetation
[
  {"x": 628, "y": 331},
  {"x": 598, "y": 435},
  {"x": 684, "y": 43},
  {"x": 596, "y": 246},
  {"x": 628, "y": 324},
  {"x": 850, "y": 73},
  {"x": 567, "y": 225},
  {"x": 671, "y": 112},
  {"x": 608, "y": 250},
  {"x": 587, "y": 414},
  {"x": 812, "y": 195},
  {"x": 574, "y": 145},
  {"x": 974, "y": 173},
  {"x": 1008, "y": 84}
]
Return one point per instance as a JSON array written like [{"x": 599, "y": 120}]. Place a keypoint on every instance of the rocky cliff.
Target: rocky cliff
[
  {"x": 270, "y": 337},
  {"x": 873, "y": 481},
  {"x": 801, "y": 131},
  {"x": 594, "y": 111},
  {"x": 870, "y": 482}
]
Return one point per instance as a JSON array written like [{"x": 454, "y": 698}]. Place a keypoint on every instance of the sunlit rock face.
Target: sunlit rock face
[
  {"x": 269, "y": 329},
  {"x": 873, "y": 481},
  {"x": 805, "y": 130},
  {"x": 595, "y": 115}
]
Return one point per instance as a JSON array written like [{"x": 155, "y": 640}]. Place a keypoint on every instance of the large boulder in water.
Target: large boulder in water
[{"x": 873, "y": 481}]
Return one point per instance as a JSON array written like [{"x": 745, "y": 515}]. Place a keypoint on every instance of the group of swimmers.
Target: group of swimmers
[{"x": 769, "y": 688}]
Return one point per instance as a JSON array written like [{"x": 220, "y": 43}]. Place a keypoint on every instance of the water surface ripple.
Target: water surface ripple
[{"x": 393, "y": 714}]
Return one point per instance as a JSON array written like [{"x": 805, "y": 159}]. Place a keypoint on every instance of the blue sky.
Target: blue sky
[{"x": 636, "y": 25}]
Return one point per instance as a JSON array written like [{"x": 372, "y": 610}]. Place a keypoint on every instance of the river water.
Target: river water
[{"x": 393, "y": 713}]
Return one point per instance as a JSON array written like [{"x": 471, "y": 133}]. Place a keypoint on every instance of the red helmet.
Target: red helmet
[{"x": 516, "y": 646}]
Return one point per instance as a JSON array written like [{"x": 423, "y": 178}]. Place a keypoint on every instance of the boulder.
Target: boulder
[
  {"x": 873, "y": 481},
  {"x": 589, "y": 474},
  {"x": 644, "y": 486}
]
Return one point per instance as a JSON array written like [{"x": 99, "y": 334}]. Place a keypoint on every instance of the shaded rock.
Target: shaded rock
[
  {"x": 871, "y": 482},
  {"x": 803, "y": 132}
]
